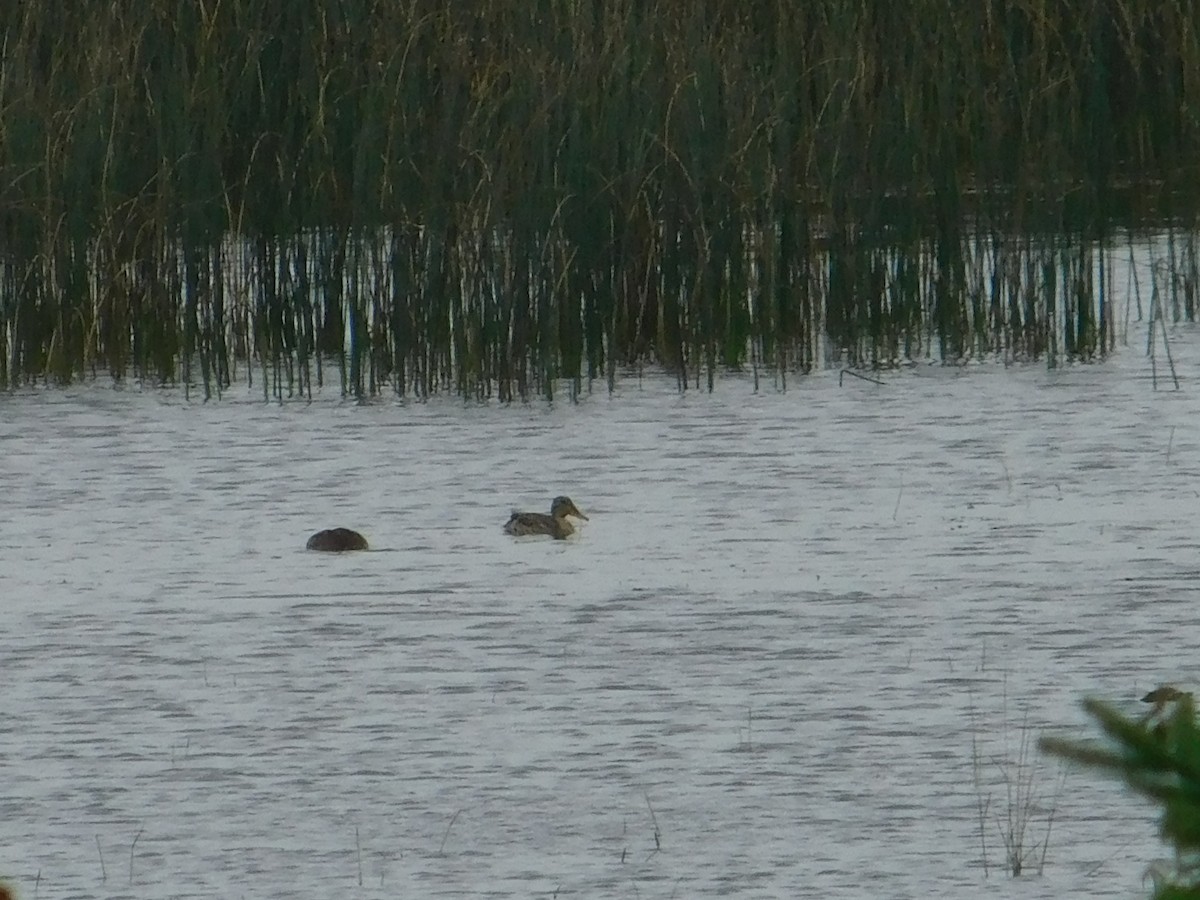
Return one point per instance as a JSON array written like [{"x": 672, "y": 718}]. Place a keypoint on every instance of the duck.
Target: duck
[
  {"x": 555, "y": 524},
  {"x": 337, "y": 540},
  {"x": 1162, "y": 695}
]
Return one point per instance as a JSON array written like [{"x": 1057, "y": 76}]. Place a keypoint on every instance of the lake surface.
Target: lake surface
[{"x": 759, "y": 671}]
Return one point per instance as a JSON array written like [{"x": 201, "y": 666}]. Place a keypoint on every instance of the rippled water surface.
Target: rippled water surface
[{"x": 758, "y": 671}]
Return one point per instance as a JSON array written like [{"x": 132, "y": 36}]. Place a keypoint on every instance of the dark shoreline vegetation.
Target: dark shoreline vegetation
[{"x": 497, "y": 199}]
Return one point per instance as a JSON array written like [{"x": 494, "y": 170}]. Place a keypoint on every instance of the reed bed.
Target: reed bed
[{"x": 516, "y": 198}]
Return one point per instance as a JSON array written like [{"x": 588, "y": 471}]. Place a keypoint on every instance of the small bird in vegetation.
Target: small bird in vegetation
[
  {"x": 1161, "y": 696},
  {"x": 555, "y": 524},
  {"x": 336, "y": 540}
]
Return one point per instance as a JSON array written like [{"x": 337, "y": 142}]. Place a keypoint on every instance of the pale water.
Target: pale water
[{"x": 758, "y": 671}]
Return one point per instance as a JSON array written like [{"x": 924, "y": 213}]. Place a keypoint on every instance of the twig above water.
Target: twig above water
[
  {"x": 453, "y": 819},
  {"x": 860, "y": 376},
  {"x": 654, "y": 819},
  {"x": 132, "y": 847}
]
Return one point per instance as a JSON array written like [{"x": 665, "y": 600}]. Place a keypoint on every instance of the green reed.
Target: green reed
[{"x": 512, "y": 199}]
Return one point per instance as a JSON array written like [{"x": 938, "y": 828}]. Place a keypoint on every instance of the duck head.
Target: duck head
[{"x": 563, "y": 507}]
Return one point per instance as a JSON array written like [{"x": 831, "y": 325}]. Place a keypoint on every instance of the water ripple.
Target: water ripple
[{"x": 759, "y": 671}]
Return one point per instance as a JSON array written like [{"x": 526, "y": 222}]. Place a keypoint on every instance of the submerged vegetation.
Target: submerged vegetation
[{"x": 500, "y": 197}]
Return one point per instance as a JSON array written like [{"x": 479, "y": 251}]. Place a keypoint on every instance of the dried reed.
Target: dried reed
[{"x": 511, "y": 199}]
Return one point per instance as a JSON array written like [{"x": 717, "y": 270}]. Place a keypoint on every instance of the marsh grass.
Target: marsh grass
[
  {"x": 516, "y": 199},
  {"x": 1016, "y": 797}
]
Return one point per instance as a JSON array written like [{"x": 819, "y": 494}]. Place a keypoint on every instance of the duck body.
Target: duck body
[
  {"x": 337, "y": 540},
  {"x": 522, "y": 524}
]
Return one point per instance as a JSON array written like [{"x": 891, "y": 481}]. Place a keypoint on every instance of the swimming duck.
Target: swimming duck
[
  {"x": 1162, "y": 695},
  {"x": 555, "y": 524},
  {"x": 336, "y": 540}
]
